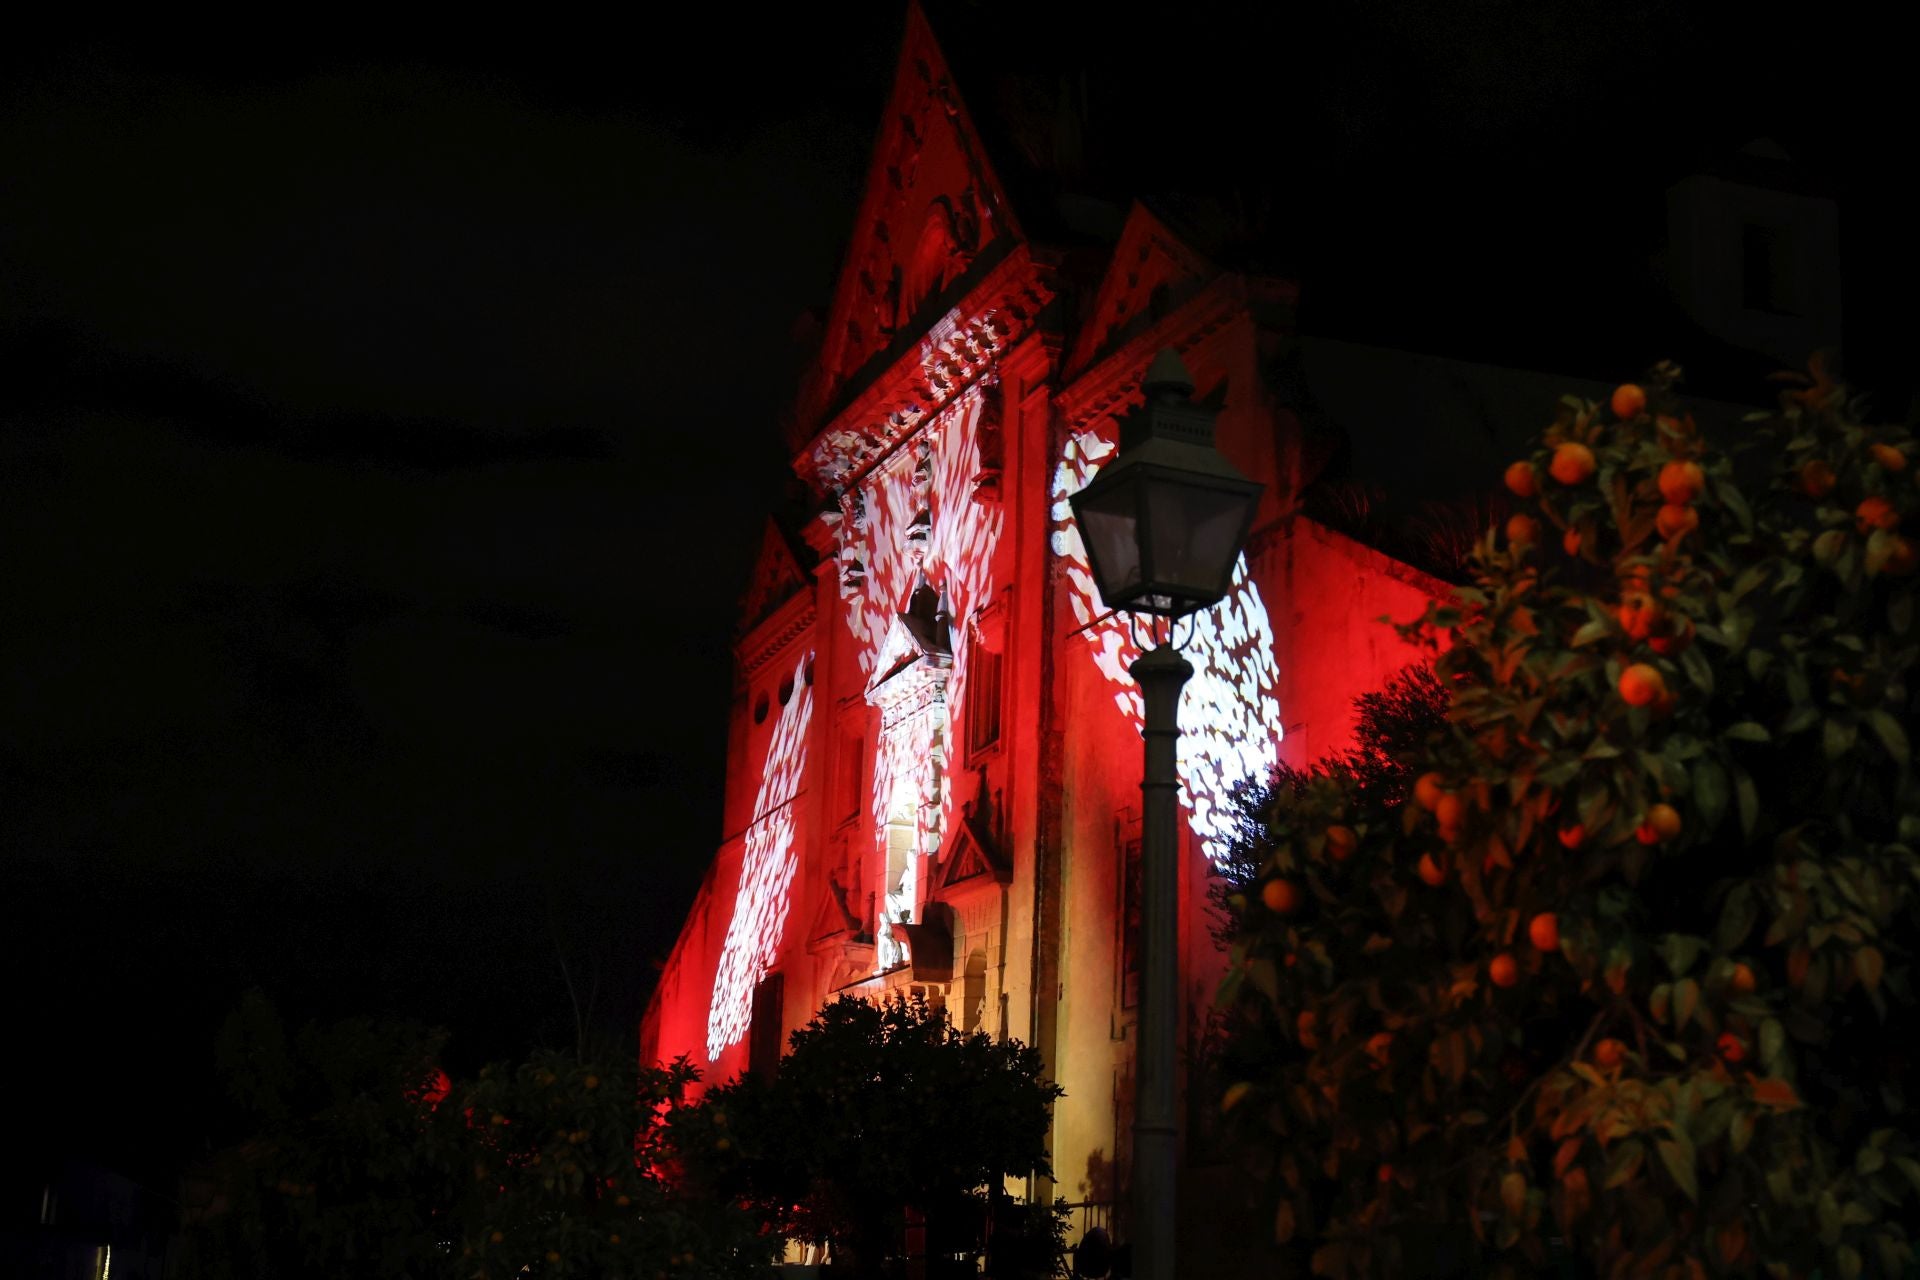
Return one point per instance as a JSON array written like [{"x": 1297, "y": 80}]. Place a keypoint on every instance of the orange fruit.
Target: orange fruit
[
  {"x": 1386, "y": 1173},
  {"x": 1522, "y": 529},
  {"x": 1901, "y": 559},
  {"x": 1544, "y": 931},
  {"x": 614, "y": 1238},
  {"x": 1730, "y": 1047},
  {"x": 1642, "y": 685},
  {"x": 1570, "y": 542},
  {"x": 1341, "y": 841},
  {"x": 1609, "y": 1053},
  {"x": 1875, "y": 513},
  {"x": 1503, "y": 970},
  {"x": 497, "y": 1237},
  {"x": 1521, "y": 480},
  {"x": 1427, "y": 790},
  {"x": 1673, "y": 638},
  {"x": 1305, "y": 1025},
  {"x": 1816, "y": 478},
  {"x": 623, "y": 1200},
  {"x": 1430, "y": 872},
  {"x": 1638, "y": 612},
  {"x": 1380, "y": 1046},
  {"x": 1628, "y": 401},
  {"x": 1573, "y": 837},
  {"x": 1682, "y": 482},
  {"x": 1572, "y": 463},
  {"x": 1741, "y": 980},
  {"x": 1888, "y": 456},
  {"x": 1676, "y": 520},
  {"x": 1235, "y": 1092},
  {"x": 1451, "y": 811},
  {"x": 553, "y": 1255},
  {"x": 1281, "y": 896},
  {"x": 1664, "y": 820},
  {"x": 592, "y": 1082}
]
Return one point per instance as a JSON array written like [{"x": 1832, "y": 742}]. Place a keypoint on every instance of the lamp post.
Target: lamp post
[{"x": 1163, "y": 524}]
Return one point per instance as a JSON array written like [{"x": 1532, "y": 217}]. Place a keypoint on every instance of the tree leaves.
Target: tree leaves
[
  {"x": 1737, "y": 916},
  {"x": 1678, "y": 1159},
  {"x": 1868, "y": 965},
  {"x": 1513, "y": 1194},
  {"x": 1891, "y": 735},
  {"x": 1639, "y": 1046},
  {"x": 1686, "y": 997},
  {"x": 1773, "y": 1092},
  {"x": 1624, "y": 1164}
]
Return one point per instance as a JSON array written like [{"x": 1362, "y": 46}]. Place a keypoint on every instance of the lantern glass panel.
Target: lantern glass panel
[
  {"x": 1110, "y": 524},
  {"x": 1195, "y": 530}
]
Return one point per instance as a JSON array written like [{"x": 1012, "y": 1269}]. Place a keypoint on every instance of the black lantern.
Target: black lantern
[{"x": 1164, "y": 521}]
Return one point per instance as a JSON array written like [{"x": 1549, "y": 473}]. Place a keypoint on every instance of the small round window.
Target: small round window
[
  {"x": 760, "y": 707},
  {"x": 809, "y": 673},
  {"x": 786, "y": 691}
]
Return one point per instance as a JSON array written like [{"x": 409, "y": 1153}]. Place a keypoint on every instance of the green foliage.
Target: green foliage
[
  {"x": 1704, "y": 1073},
  {"x": 369, "y": 1162},
  {"x": 574, "y": 1172},
  {"x": 875, "y": 1110},
  {"x": 347, "y": 1165}
]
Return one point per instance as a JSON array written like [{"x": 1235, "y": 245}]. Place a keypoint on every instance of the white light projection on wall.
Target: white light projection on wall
[
  {"x": 1229, "y": 714},
  {"x": 932, "y": 475},
  {"x": 766, "y": 874}
]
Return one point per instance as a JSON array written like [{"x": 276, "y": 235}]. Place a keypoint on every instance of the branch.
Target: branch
[
  {"x": 1509, "y": 1120},
  {"x": 573, "y": 999}
]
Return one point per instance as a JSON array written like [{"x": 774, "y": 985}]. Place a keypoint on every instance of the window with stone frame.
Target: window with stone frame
[
  {"x": 849, "y": 766},
  {"x": 986, "y": 683},
  {"x": 984, "y": 701}
]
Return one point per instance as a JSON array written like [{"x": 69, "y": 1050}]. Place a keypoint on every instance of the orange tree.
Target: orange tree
[
  {"x": 880, "y": 1112},
  {"x": 571, "y": 1168},
  {"x": 366, "y": 1160},
  {"x": 1610, "y": 963}
]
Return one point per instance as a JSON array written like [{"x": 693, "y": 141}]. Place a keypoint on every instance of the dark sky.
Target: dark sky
[{"x": 389, "y": 418}]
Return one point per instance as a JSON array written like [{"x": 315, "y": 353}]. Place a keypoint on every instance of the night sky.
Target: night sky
[{"x": 388, "y": 419}]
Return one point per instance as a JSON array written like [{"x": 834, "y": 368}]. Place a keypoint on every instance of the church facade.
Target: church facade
[{"x": 933, "y": 780}]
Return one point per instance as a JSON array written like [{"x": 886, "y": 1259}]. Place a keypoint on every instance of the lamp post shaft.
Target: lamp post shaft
[{"x": 1162, "y": 673}]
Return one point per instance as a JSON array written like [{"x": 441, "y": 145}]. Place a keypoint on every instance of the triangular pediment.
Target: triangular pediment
[
  {"x": 777, "y": 577},
  {"x": 971, "y": 856},
  {"x": 1151, "y": 272},
  {"x": 932, "y": 212}
]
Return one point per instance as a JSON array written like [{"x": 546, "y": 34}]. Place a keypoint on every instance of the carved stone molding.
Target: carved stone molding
[
  {"x": 775, "y": 633},
  {"x": 956, "y": 352}
]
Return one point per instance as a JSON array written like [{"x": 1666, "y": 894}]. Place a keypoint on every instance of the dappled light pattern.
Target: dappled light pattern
[
  {"x": 1229, "y": 714},
  {"x": 766, "y": 874},
  {"x": 915, "y": 516}
]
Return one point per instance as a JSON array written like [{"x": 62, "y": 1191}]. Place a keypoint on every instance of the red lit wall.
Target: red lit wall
[{"x": 935, "y": 761}]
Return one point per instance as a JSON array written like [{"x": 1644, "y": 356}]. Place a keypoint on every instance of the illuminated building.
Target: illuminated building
[{"x": 935, "y": 760}]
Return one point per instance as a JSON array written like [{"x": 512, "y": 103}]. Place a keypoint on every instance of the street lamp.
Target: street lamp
[{"x": 1163, "y": 524}]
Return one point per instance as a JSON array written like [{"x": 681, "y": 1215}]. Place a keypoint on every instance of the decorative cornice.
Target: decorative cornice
[
  {"x": 911, "y": 690},
  {"x": 957, "y": 350},
  {"x": 767, "y": 640}
]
